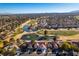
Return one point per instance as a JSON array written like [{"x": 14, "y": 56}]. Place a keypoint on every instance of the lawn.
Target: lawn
[{"x": 59, "y": 32}]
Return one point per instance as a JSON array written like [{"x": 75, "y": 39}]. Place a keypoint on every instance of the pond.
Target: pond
[
  {"x": 36, "y": 37},
  {"x": 28, "y": 28},
  {"x": 29, "y": 37}
]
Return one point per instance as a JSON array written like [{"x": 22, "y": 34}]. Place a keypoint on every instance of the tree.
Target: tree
[
  {"x": 6, "y": 43},
  {"x": 13, "y": 51},
  {"x": 1, "y": 43},
  {"x": 12, "y": 40},
  {"x": 55, "y": 38},
  {"x": 65, "y": 46},
  {"x": 33, "y": 41},
  {"x": 45, "y": 32},
  {"x": 75, "y": 48}
]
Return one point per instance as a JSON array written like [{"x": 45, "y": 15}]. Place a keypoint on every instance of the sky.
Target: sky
[{"x": 38, "y": 7}]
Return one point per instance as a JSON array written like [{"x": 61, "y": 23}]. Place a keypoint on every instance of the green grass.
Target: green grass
[
  {"x": 58, "y": 32},
  {"x": 64, "y": 33}
]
